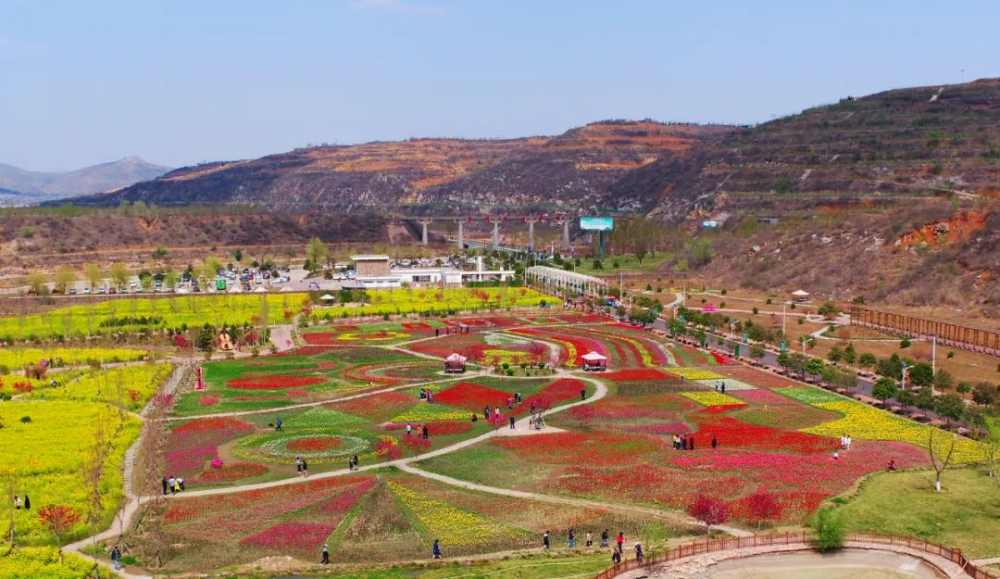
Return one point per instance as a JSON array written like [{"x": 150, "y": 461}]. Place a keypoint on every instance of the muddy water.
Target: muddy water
[{"x": 848, "y": 564}]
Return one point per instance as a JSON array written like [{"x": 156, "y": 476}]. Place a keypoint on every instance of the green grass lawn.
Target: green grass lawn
[
  {"x": 529, "y": 567},
  {"x": 626, "y": 264},
  {"x": 964, "y": 515}
]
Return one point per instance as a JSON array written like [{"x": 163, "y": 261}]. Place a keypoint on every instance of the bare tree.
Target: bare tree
[{"x": 937, "y": 461}]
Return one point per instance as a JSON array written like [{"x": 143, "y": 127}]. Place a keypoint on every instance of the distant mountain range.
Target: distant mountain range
[
  {"x": 24, "y": 187},
  {"x": 889, "y": 147}
]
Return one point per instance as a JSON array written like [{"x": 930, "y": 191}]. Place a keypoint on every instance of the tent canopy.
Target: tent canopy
[
  {"x": 455, "y": 358},
  {"x": 800, "y": 293},
  {"x": 260, "y": 290},
  {"x": 327, "y": 297},
  {"x": 593, "y": 357}
]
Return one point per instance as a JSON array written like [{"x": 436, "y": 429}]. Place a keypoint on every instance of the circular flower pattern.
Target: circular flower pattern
[{"x": 314, "y": 447}]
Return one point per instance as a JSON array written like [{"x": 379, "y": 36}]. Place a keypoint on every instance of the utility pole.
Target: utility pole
[{"x": 783, "y": 304}]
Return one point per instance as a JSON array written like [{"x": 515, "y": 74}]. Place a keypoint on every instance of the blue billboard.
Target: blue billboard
[{"x": 597, "y": 223}]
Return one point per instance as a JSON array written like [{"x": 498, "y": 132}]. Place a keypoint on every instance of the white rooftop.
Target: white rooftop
[{"x": 370, "y": 257}]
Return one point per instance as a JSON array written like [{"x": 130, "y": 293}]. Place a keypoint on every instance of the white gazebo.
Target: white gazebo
[
  {"x": 594, "y": 362},
  {"x": 455, "y": 363},
  {"x": 800, "y": 295},
  {"x": 327, "y": 298}
]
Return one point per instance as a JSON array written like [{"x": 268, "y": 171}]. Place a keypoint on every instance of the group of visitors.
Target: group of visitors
[
  {"x": 684, "y": 442},
  {"x": 352, "y": 463},
  {"x": 617, "y": 553},
  {"x": 422, "y": 431},
  {"x": 427, "y": 394},
  {"x": 720, "y": 386},
  {"x": 301, "y": 466},
  {"x": 27, "y": 502},
  {"x": 172, "y": 484}
]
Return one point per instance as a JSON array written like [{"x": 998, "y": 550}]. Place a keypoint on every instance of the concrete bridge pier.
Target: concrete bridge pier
[
  {"x": 423, "y": 234},
  {"x": 496, "y": 234},
  {"x": 531, "y": 234},
  {"x": 461, "y": 234},
  {"x": 565, "y": 236}
]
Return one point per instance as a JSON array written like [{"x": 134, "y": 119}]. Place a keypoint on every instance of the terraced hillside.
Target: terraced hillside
[
  {"x": 572, "y": 171},
  {"x": 887, "y": 148}
]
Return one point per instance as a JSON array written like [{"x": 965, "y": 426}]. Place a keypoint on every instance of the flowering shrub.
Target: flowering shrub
[
  {"x": 472, "y": 396},
  {"x": 713, "y": 398},
  {"x": 387, "y": 448},
  {"x": 695, "y": 373},
  {"x": 864, "y": 422},
  {"x": 273, "y": 382}
]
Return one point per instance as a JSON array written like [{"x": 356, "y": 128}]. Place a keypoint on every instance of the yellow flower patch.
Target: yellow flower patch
[
  {"x": 867, "y": 423},
  {"x": 711, "y": 398},
  {"x": 453, "y": 526},
  {"x": 695, "y": 373}
]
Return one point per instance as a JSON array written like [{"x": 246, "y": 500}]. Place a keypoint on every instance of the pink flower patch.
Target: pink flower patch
[
  {"x": 208, "y": 399},
  {"x": 291, "y": 536}
]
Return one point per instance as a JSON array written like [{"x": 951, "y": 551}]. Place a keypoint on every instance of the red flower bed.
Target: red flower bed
[
  {"x": 274, "y": 382},
  {"x": 734, "y": 433},
  {"x": 597, "y": 448},
  {"x": 297, "y": 393},
  {"x": 561, "y": 390},
  {"x": 472, "y": 396},
  {"x": 229, "y": 472},
  {"x": 638, "y": 375},
  {"x": 291, "y": 536},
  {"x": 377, "y": 407},
  {"x": 303, "y": 351},
  {"x": 194, "y": 443},
  {"x": 208, "y": 400},
  {"x": 320, "y": 338},
  {"x": 416, "y": 443},
  {"x": 722, "y": 360},
  {"x": 317, "y": 444},
  {"x": 266, "y": 398},
  {"x": 417, "y": 326}
]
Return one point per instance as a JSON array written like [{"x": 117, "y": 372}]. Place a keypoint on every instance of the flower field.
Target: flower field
[
  {"x": 713, "y": 398},
  {"x": 135, "y": 314},
  {"x": 695, "y": 373},
  {"x": 809, "y": 395},
  {"x": 16, "y": 358},
  {"x": 192, "y": 445},
  {"x": 472, "y": 396},
  {"x": 47, "y": 451},
  {"x": 867, "y": 423},
  {"x": 453, "y": 526},
  {"x": 130, "y": 387}
]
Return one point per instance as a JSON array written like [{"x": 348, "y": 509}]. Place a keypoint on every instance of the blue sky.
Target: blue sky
[{"x": 179, "y": 82}]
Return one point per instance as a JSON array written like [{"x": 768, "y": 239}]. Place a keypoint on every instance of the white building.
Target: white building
[{"x": 419, "y": 276}]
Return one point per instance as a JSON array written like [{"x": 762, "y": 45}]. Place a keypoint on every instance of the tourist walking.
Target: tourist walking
[
  {"x": 305, "y": 468},
  {"x": 723, "y": 389},
  {"x": 590, "y": 539},
  {"x": 298, "y": 465},
  {"x": 116, "y": 558},
  {"x": 512, "y": 427},
  {"x": 409, "y": 428},
  {"x": 170, "y": 483},
  {"x": 177, "y": 485},
  {"x": 583, "y": 393},
  {"x": 17, "y": 502},
  {"x": 277, "y": 423},
  {"x": 180, "y": 483},
  {"x": 572, "y": 539},
  {"x": 604, "y": 539},
  {"x": 616, "y": 559},
  {"x": 545, "y": 540},
  {"x": 164, "y": 484},
  {"x": 691, "y": 442},
  {"x": 715, "y": 441},
  {"x": 638, "y": 551},
  {"x": 326, "y": 555},
  {"x": 620, "y": 541},
  {"x": 425, "y": 431},
  {"x": 27, "y": 502},
  {"x": 486, "y": 413},
  {"x": 436, "y": 549}
]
